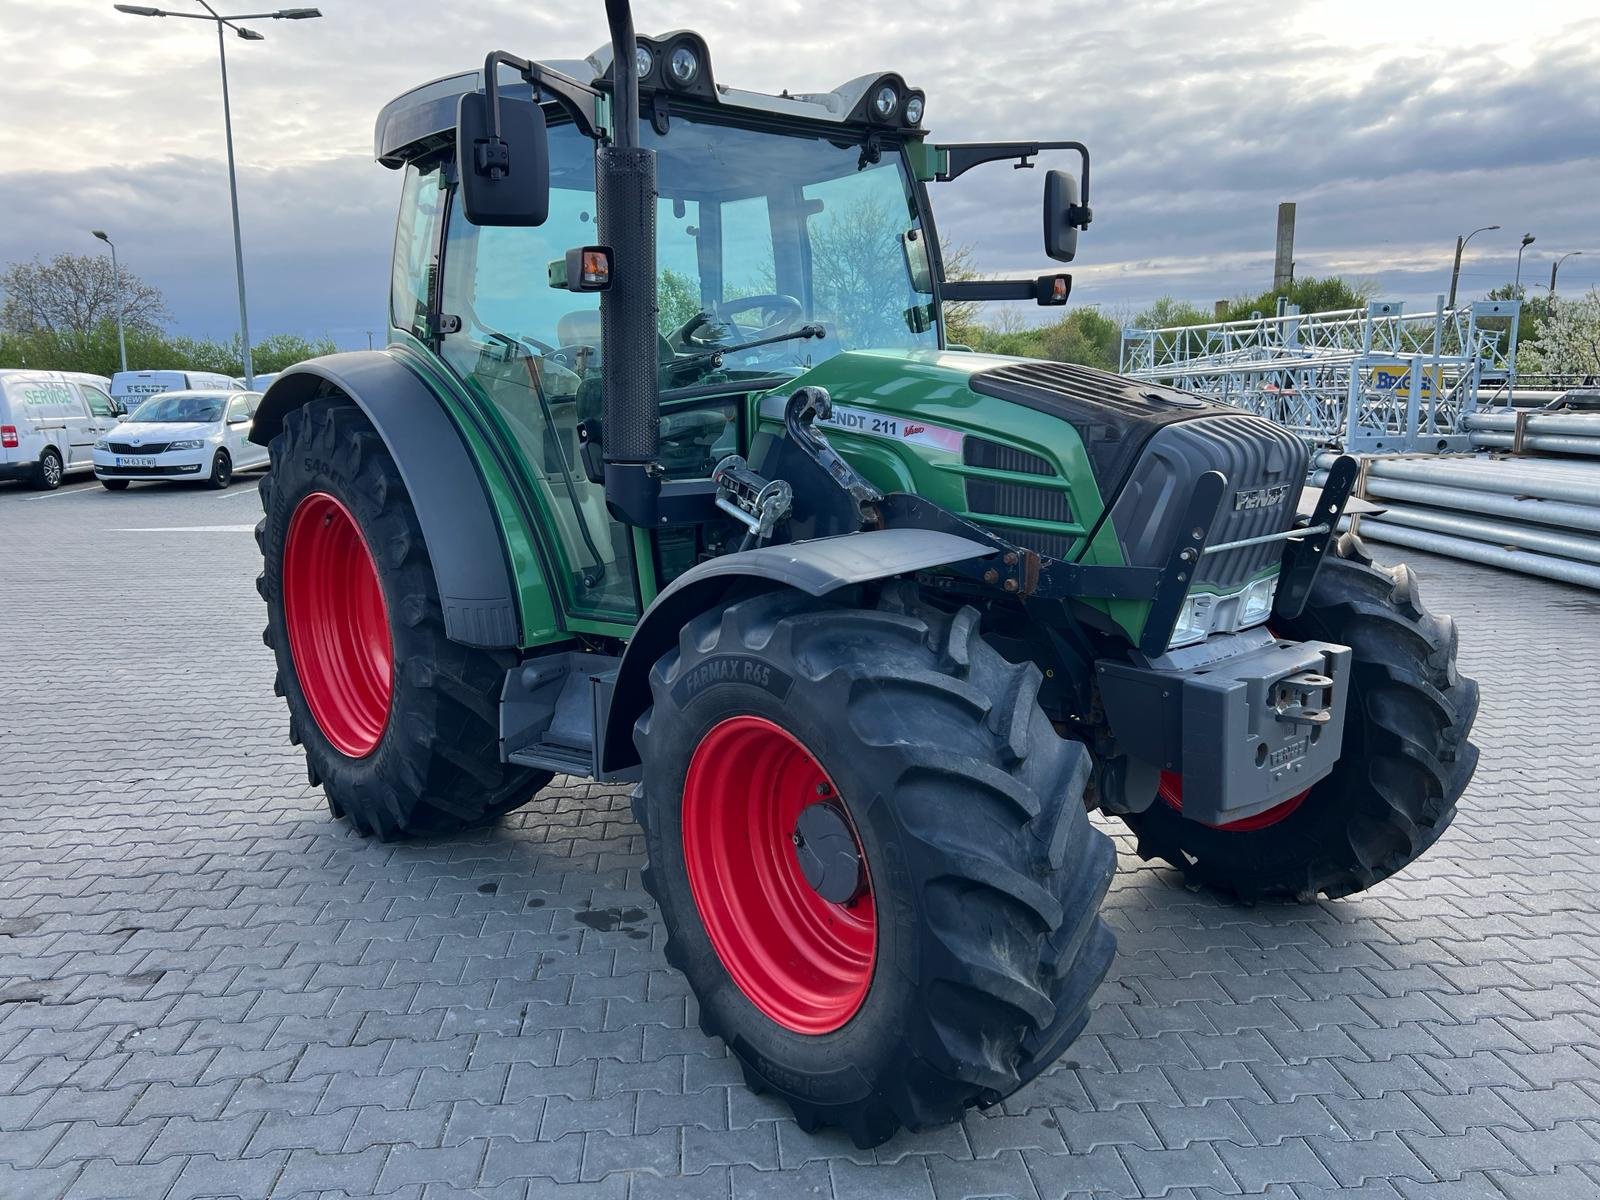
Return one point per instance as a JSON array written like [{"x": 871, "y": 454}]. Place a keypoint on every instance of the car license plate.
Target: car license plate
[{"x": 127, "y": 461}]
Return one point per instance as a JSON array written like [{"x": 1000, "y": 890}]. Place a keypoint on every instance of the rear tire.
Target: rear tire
[
  {"x": 982, "y": 875},
  {"x": 407, "y": 741},
  {"x": 1405, "y": 759},
  {"x": 48, "y": 474},
  {"x": 114, "y": 485}
]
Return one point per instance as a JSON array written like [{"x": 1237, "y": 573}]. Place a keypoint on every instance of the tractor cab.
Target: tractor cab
[{"x": 788, "y": 230}]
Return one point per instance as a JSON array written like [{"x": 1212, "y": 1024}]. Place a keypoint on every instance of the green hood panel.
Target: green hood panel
[{"x": 929, "y": 411}]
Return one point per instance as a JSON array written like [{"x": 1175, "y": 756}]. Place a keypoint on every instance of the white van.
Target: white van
[
  {"x": 131, "y": 388},
  {"x": 49, "y": 423}
]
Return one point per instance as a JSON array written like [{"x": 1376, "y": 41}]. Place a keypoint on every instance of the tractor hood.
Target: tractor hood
[
  {"x": 1039, "y": 451},
  {"x": 1110, "y": 417}
]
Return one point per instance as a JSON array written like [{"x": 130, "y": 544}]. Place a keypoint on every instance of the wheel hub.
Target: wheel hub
[
  {"x": 338, "y": 624},
  {"x": 826, "y": 850},
  {"x": 786, "y": 903}
]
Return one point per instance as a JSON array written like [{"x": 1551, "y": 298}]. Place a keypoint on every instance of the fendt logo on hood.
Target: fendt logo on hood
[{"x": 1246, "y": 499}]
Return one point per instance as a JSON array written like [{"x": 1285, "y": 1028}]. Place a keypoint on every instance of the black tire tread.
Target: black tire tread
[
  {"x": 440, "y": 768},
  {"x": 1006, "y": 984},
  {"x": 1417, "y": 760}
]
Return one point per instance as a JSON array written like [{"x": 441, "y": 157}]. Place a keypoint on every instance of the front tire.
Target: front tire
[
  {"x": 1405, "y": 759},
  {"x": 398, "y": 723},
  {"x": 940, "y": 946},
  {"x": 48, "y": 474},
  {"x": 221, "y": 470}
]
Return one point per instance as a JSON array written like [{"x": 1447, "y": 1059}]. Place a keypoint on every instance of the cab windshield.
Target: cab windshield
[
  {"x": 762, "y": 236},
  {"x": 759, "y": 235},
  {"x": 166, "y": 410}
]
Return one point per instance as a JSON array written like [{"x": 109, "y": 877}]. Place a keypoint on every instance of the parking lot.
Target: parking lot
[{"x": 210, "y": 988}]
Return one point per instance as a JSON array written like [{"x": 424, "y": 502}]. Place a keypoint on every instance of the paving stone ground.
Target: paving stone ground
[{"x": 210, "y": 988}]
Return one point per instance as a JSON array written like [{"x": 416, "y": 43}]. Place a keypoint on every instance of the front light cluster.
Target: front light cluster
[
  {"x": 187, "y": 444},
  {"x": 102, "y": 444},
  {"x": 680, "y": 62},
  {"x": 890, "y": 102},
  {"x": 1205, "y": 613}
]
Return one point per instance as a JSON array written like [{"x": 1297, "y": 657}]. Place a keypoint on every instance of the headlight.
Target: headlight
[
  {"x": 684, "y": 66},
  {"x": 914, "y": 110},
  {"x": 187, "y": 444},
  {"x": 1194, "y": 620},
  {"x": 885, "y": 101},
  {"x": 102, "y": 444},
  {"x": 1204, "y": 614},
  {"x": 643, "y": 59},
  {"x": 1255, "y": 606}
]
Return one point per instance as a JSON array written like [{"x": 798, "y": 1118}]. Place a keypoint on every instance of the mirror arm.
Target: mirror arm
[
  {"x": 1043, "y": 289},
  {"x": 576, "y": 99},
  {"x": 961, "y": 157}
]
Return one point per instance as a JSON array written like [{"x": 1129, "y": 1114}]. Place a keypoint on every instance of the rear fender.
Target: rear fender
[
  {"x": 470, "y": 564},
  {"x": 816, "y": 568}
]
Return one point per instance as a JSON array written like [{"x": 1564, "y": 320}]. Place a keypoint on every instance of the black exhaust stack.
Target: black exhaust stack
[{"x": 625, "y": 183}]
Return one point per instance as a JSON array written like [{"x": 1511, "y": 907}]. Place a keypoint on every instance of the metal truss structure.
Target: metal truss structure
[{"x": 1368, "y": 380}]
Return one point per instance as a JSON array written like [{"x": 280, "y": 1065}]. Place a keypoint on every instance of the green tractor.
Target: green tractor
[{"x": 669, "y": 474}]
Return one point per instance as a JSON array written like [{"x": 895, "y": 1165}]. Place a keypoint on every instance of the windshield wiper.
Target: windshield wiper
[{"x": 714, "y": 356}]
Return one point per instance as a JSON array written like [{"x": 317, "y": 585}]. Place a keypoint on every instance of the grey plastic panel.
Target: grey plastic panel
[
  {"x": 469, "y": 559},
  {"x": 815, "y": 567}
]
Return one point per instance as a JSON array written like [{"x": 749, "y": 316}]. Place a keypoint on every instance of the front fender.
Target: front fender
[
  {"x": 470, "y": 562},
  {"x": 815, "y": 567}
]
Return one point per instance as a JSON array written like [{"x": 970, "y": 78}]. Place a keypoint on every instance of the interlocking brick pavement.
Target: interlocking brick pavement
[{"x": 210, "y": 988}]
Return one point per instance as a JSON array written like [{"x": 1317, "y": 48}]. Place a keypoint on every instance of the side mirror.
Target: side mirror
[
  {"x": 918, "y": 266},
  {"x": 1064, "y": 215},
  {"x": 505, "y": 178}
]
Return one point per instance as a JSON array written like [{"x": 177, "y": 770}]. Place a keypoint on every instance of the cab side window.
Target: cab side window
[
  {"x": 100, "y": 404},
  {"x": 416, "y": 250}
]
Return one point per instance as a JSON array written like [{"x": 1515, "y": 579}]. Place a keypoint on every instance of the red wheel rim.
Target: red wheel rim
[
  {"x": 804, "y": 961},
  {"x": 1170, "y": 789},
  {"x": 338, "y": 625}
]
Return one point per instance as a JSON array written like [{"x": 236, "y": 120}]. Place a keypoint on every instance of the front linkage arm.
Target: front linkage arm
[{"x": 1017, "y": 571}]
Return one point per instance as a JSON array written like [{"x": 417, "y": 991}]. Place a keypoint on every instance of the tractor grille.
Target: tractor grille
[
  {"x": 979, "y": 452},
  {"x": 1002, "y": 498},
  {"x": 147, "y": 448}
]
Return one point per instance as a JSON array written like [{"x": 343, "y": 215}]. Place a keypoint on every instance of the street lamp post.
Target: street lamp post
[
  {"x": 249, "y": 35},
  {"x": 1455, "y": 272},
  {"x": 1516, "y": 289},
  {"x": 116, "y": 283},
  {"x": 1556, "y": 266}
]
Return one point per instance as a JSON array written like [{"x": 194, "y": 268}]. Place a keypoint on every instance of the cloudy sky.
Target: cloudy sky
[{"x": 1395, "y": 126}]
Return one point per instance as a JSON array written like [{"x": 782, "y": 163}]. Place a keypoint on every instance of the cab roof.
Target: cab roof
[{"x": 423, "y": 119}]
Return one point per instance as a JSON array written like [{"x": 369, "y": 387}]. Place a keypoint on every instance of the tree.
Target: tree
[
  {"x": 1167, "y": 312},
  {"x": 1568, "y": 342},
  {"x": 962, "y": 324},
  {"x": 1531, "y": 318},
  {"x": 677, "y": 300},
  {"x": 858, "y": 272},
  {"x": 1331, "y": 293},
  {"x": 151, "y": 350},
  {"x": 73, "y": 295}
]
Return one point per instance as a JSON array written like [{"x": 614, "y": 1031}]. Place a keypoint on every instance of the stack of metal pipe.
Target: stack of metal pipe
[
  {"x": 1576, "y": 433},
  {"x": 1540, "y": 516}
]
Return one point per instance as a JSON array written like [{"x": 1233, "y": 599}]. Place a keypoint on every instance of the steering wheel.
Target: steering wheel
[
  {"x": 559, "y": 362},
  {"x": 778, "y": 311}
]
